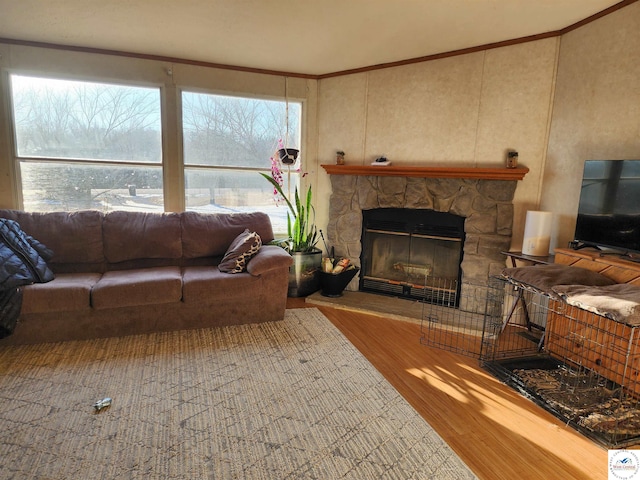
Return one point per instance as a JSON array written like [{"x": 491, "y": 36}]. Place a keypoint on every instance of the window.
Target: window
[
  {"x": 82, "y": 145},
  {"x": 227, "y": 142},
  {"x": 86, "y": 145}
]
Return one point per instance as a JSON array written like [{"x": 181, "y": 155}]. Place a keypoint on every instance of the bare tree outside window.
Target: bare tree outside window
[
  {"x": 227, "y": 141},
  {"x": 95, "y": 145},
  {"x": 87, "y": 145}
]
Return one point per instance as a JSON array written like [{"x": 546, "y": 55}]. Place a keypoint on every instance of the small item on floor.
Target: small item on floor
[{"x": 102, "y": 404}]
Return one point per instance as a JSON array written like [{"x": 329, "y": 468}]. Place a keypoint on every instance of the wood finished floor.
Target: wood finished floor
[{"x": 496, "y": 431}]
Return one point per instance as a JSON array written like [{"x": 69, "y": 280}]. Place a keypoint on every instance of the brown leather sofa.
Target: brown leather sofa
[{"x": 123, "y": 273}]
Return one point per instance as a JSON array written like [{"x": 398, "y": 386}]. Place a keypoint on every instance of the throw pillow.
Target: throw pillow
[{"x": 241, "y": 250}]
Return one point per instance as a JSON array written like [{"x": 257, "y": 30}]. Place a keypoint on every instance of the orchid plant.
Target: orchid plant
[{"x": 301, "y": 230}]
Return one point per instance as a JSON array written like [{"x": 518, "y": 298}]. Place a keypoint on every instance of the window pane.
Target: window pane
[
  {"x": 95, "y": 121},
  {"x": 226, "y": 191},
  {"x": 243, "y": 132},
  {"x": 58, "y": 186}
]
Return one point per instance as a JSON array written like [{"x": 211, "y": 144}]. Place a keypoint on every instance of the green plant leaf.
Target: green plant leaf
[{"x": 301, "y": 229}]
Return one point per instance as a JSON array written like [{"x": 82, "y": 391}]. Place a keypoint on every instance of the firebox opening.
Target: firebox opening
[{"x": 412, "y": 253}]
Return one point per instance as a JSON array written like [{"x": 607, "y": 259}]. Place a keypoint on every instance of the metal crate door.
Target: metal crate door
[{"x": 467, "y": 329}]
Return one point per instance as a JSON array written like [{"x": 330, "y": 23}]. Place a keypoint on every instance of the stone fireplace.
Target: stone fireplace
[{"x": 484, "y": 197}]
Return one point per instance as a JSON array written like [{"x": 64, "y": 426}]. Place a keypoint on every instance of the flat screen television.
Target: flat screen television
[{"x": 609, "y": 208}]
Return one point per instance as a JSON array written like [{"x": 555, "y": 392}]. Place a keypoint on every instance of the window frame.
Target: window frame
[
  {"x": 18, "y": 160},
  {"x": 170, "y": 79},
  {"x": 294, "y": 176}
]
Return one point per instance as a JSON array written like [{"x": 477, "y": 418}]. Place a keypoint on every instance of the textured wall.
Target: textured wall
[
  {"x": 465, "y": 110},
  {"x": 596, "y": 113}
]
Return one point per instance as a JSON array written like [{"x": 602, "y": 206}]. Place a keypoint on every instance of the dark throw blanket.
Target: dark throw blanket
[{"x": 10, "y": 305}]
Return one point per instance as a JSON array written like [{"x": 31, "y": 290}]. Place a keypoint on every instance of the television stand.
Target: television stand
[
  {"x": 628, "y": 256},
  {"x": 622, "y": 270}
]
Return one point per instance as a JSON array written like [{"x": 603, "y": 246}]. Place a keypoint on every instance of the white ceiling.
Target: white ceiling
[{"x": 311, "y": 37}]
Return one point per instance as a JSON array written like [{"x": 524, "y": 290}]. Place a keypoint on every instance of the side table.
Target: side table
[{"x": 535, "y": 260}]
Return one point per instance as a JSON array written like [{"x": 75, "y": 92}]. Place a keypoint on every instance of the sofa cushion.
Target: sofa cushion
[
  {"x": 67, "y": 292},
  {"x": 145, "y": 286},
  {"x": 242, "y": 249},
  {"x": 208, "y": 235},
  {"x": 73, "y": 237},
  {"x": 209, "y": 284},
  {"x": 138, "y": 235}
]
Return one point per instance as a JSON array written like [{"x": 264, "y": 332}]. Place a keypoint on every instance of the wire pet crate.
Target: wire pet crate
[{"x": 582, "y": 367}]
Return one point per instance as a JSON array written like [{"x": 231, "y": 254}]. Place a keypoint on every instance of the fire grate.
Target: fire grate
[{"x": 582, "y": 367}]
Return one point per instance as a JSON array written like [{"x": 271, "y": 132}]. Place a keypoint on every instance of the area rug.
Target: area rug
[{"x": 283, "y": 400}]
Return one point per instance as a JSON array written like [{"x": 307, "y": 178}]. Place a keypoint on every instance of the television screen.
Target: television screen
[{"x": 609, "y": 208}]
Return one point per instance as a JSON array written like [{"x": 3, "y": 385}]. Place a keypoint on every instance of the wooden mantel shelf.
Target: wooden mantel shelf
[{"x": 429, "y": 172}]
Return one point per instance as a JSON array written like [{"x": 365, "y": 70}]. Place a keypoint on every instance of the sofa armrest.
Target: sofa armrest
[{"x": 269, "y": 257}]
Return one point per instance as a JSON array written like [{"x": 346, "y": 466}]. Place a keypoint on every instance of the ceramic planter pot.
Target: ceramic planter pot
[{"x": 288, "y": 156}]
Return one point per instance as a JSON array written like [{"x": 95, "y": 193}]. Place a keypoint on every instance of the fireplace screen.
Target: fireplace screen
[{"x": 412, "y": 254}]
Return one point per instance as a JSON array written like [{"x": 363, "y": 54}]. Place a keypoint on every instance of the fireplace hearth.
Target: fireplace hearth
[{"x": 412, "y": 253}]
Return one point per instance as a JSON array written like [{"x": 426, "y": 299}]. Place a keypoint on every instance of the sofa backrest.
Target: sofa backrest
[
  {"x": 141, "y": 235},
  {"x": 92, "y": 241},
  {"x": 74, "y": 237},
  {"x": 209, "y": 235}
]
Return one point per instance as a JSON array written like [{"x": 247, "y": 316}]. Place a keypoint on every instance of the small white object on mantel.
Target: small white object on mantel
[{"x": 381, "y": 161}]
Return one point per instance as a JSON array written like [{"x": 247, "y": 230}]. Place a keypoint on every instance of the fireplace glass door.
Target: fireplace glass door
[{"x": 407, "y": 253}]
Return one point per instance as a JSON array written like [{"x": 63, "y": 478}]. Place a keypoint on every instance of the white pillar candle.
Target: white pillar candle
[{"x": 537, "y": 233}]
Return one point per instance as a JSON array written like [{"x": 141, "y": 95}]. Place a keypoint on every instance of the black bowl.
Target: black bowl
[{"x": 333, "y": 284}]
